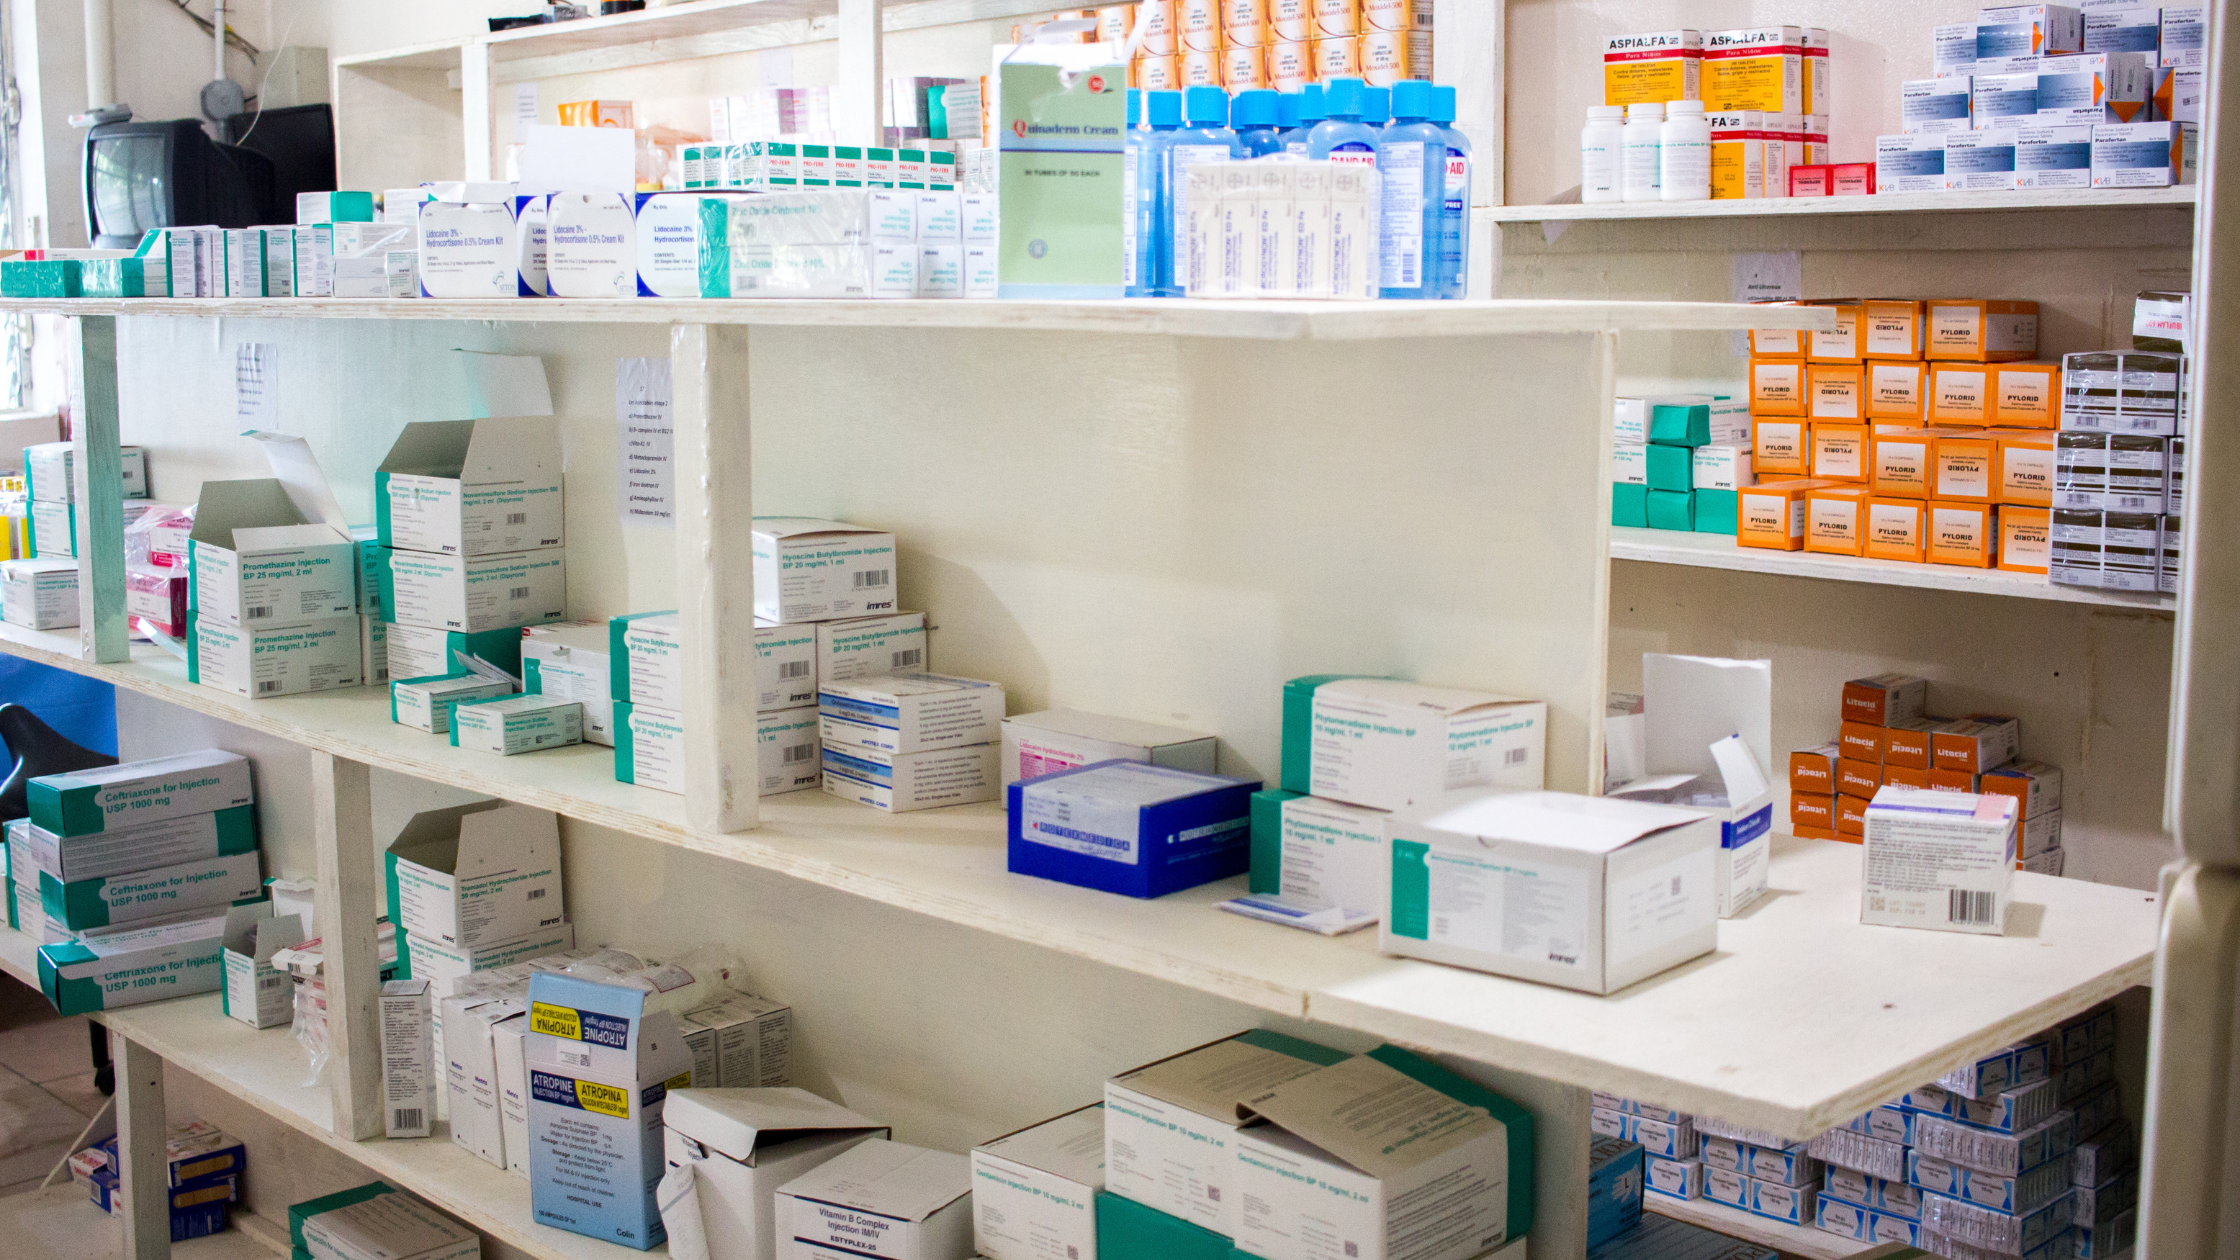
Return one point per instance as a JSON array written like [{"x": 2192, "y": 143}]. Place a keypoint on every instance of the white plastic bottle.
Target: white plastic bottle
[
  {"x": 1684, "y": 153},
  {"x": 1601, "y": 163},
  {"x": 1643, "y": 138}
]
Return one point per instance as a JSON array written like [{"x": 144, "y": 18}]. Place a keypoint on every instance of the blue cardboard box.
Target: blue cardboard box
[{"x": 1131, "y": 828}]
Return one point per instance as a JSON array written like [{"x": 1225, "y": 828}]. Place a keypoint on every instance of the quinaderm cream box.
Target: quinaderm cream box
[{"x": 1036, "y": 744}]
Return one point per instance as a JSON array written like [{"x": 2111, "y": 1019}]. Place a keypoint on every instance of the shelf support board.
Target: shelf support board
[
  {"x": 710, "y": 376},
  {"x": 141, "y": 1133},
  {"x": 856, "y": 97},
  {"x": 98, "y": 477},
  {"x": 474, "y": 106},
  {"x": 346, "y": 903}
]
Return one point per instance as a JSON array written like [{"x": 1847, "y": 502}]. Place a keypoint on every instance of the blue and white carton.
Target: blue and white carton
[
  {"x": 1707, "y": 738},
  {"x": 1129, "y": 827}
]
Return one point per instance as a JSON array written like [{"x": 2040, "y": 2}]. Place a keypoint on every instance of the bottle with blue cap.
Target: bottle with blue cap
[
  {"x": 1343, "y": 138},
  {"x": 1454, "y": 222},
  {"x": 1308, "y": 110},
  {"x": 1131, "y": 172},
  {"x": 1256, "y": 116},
  {"x": 1205, "y": 138},
  {"x": 1412, "y": 171},
  {"x": 1376, "y": 106},
  {"x": 1162, "y": 112}
]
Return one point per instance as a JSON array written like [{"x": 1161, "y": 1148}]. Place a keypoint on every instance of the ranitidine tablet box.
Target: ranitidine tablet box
[
  {"x": 878, "y": 1198},
  {"x": 1388, "y": 744},
  {"x": 510, "y": 724},
  {"x": 426, "y": 704},
  {"x": 1170, "y": 1127},
  {"x": 137, "y": 793},
  {"x": 1034, "y": 1191},
  {"x": 471, "y": 487},
  {"x": 1942, "y": 860},
  {"x": 135, "y": 847},
  {"x": 125, "y": 966},
  {"x": 1129, "y": 827},
  {"x": 111, "y": 900},
  {"x": 1317, "y": 852},
  {"x": 1064, "y": 739},
  {"x": 744, "y": 1144},
  {"x": 473, "y": 593},
  {"x": 806, "y": 569},
  {"x": 861, "y": 647}
]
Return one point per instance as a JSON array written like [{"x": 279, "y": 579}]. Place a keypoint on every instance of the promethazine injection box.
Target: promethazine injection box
[
  {"x": 1942, "y": 860},
  {"x": 1388, "y": 744},
  {"x": 275, "y": 659},
  {"x": 1129, "y": 827},
  {"x": 1034, "y": 1191},
  {"x": 471, "y": 487},
  {"x": 572, "y": 660},
  {"x": 807, "y": 569},
  {"x": 862, "y": 647},
  {"x": 908, "y": 713},
  {"x": 1170, "y": 1127},
  {"x": 1605, "y": 867},
  {"x": 1377, "y": 1148},
  {"x": 259, "y": 558},
  {"x": 102, "y": 971},
  {"x": 1317, "y": 852},
  {"x": 470, "y": 875},
  {"x": 1036, "y": 744},
  {"x": 600, "y": 1070},
  {"x": 137, "y": 793},
  {"x": 113, "y": 900},
  {"x": 510, "y": 725},
  {"x": 473, "y": 593},
  {"x": 745, "y": 1143}
]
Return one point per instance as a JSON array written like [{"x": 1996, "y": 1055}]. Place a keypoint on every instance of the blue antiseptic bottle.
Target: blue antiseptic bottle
[
  {"x": 1310, "y": 112},
  {"x": 1454, "y": 221},
  {"x": 1131, "y": 193},
  {"x": 1342, "y": 136},
  {"x": 1256, "y": 115},
  {"x": 1162, "y": 111},
  {"x": 1412, "y": 172},
  {"x": 1376, "y": 106},
  {"x": 1205, "y": 138}
]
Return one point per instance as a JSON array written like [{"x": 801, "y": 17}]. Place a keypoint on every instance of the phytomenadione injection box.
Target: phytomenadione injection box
[
  {"x": 807, "y": 569},
  {"x": 471, "y": 487},
  {"x": 1942, "y": 860},
  {"x": 861, "y": 647},
  {"x": 1063, "y": 739},
  {"x": 1388, "y": 744},
  {"x": 137, "y": 793},
  {"x": 473, "y": 593},
  {"x": 1317, "y": 852},
  {"x": 1034, "y": 1191}
]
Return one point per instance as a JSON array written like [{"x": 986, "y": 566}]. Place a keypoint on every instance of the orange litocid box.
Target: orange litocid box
[
  {"x": 1962, "y": 533},
  {"x": 1772, "y": 513},
  {"x": 1981, "y": 331},
  {"x": 1812, "y": 809},
  {"x": 1851, "y": 815},
  {"x": 1778, "y": 343},
  {"x": 1860, "y": 741},
  {"x": 1777, "y": 387},
  {"x": 1960, "y": 393},
  {"x": 2024, "y": 472},
  {"x": 1907, "y": 744},
  {"x": 1802, "y": 832},
  {"x": 1905, "y": 776},
  {"x": 1897, "y": 529},
  {"x": 2025, "y": 539},
  {"x": 2026, "y": 395},
  {"x": 1838, "y": 391},
  {"x": 1839, "y": 450},
  {"x": 1899, "y": 463},
  {"x": 1780, "y": 444},
  {"x": 1840, "y": 344},
  {"x": 1814, "y": 769},
  {"x": 1892, "y": 328},
  {"x": 1964, "y": 468},
  {"x": 1897, "y": 391},
  {"x": 1951, "y": 780},
  {"x": 1858, "y": 778},
  {"x": 1835, "y": 520}
]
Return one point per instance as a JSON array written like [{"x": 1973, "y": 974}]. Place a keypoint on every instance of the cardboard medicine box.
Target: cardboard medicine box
[
  {"x": 745, "y": 1143},
  {"x": 125, "y": 966},
  {"x": 909, "y": 713},
  {"x": 39, "y": 594},
  {"x": 111, "y": 900},
  {"x": 257, "y": 557},
  {"x": 1316, "y": 852},
  {"x": 740, "y": 1041},
  {"x": 469, "y": 875},
  {"x": 256, "y": 992},
  {"x": 573, "y": 661},
  {"x": 432, "y": 652},
  {"x": 427, "y": 704},
  {"x": 385, "y": 1226},
  {"x": 806, "y": 569},
  {"x": 862, "y": 647},
  {"x": 137, "y": 847},
  {"x": 471, "y": 487},
  {"x": 878, "y": 1198},
  {"x": 1129, "y": 827},
  {"x": 1034, "y": 1191},
  {"x": 1940, "y": 860},
  {"x": 1707, "y": 737},
  {"x": 137, "y": 793},
  {"x": 276, "y": 659},
  {"x": 473, "y": 593},
  {"x": 1387, "y": 744},
  {"x": 1036, "y": 744},
  {"x": 509, "y": 725}
]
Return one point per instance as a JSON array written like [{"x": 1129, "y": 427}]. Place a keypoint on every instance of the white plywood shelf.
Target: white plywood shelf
[
  {"x": 1893, "y": 1008},
  {"x": 1801, "y": 1241},
  {"x": 1263, "y": 321},
  {"x": 669, "y": 23},
  {"x": 1881, "y": 203},
  {"x": 1719, "y": 551}
]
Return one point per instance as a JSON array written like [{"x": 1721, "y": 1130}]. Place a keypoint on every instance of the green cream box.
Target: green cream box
[
  {"x": 510, "y": 725},
  {"x": 275, "y": 660},
  {"x": 88, "y": 802}
]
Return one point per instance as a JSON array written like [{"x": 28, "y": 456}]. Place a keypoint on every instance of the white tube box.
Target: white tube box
[
  {"x": 911, "y": 713},
  {"x": 426, "y": 704},
  {"x": 570, "y": 659},
  {"x": 1034, "y": 1191},
  {"x": 39, "y": 594},
  {"x": 878, "y": 1198},
  {"x": 256, "y": 992},
  {"x": 897, "y": 782},
  {"x": 471, "y": 875},
  {"x": 408, "y": 1061},
  {"x": 467, "y": 249},
  {"x": 471, "y": 487},
  {"x": 1942, "y": 860},
  {"x": 473, "y": 593},
  {"x": 275, "y": 659},
  {"x": 743, "y": 1144},
  {"x": 1062, "y": 739},
  {"x": 592, "y": 246},
  {"x": 807, "y": 569},
  {"x": 864, "y": 647},
  {"x": 509, "y": 725},
  {"x": 667, "y": 240},
  {"x": 1388, "y": 744}
]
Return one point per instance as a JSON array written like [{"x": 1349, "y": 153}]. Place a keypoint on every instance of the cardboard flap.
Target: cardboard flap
[
  {"x": 431, "y": 839},
  {"x": 255, "y": 932},
  {"x": 282, "y": 537},
  {"x": 1370, "y": 1115},
  {"x": 506, "y": 384},
  {"x": 298, "y": 470},
  {"x": 1559, "y": 820},
  {"x": 513, "y": 448},
  {"x": 803, "y": 526},
  {"x": 888, "y": 1179},
  {"x": 739, "y": 1122},
  {"x": 504, "y": 838},
  {"x": 430, "y": 448},
  {"x": 1212, "y": 1080},
  {"x": 1690, "y": 703},
  {"x": 1745, "y": 781},
  {"x": 224, "y": 506},
  {"x": 1411, "y": 697}
]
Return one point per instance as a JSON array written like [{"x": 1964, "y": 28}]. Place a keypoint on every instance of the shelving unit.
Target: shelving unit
[{"x": 1880, "y": 203}]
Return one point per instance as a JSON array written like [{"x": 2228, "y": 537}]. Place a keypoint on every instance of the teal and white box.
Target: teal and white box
[
  {"x": 2052, "y": 155},
  {"x": 743, "y": 1144},
  {"x": 430, "y": 652},
  {"x": 279, "y": 261},
  {"x": 1665, "y": 1139},
  {"x": 444, "y": 966},
  {"x": 893, "y": 215},
  {"x": 2130, "y": 29},
  {"x": 102, "y": 971},
  {"x": 1674, "y": 1178},
  {"x": 1317, "y": 852},
  {"x": 1388, "y": 744},
  {"x": 511, "y": 725},
  {"x": 257, "y": 556},
  {"x": 471, "y": 487},
  {"x": 244, "y": 262},
  {"x": 1981, "y": 160},
  {"x": 899, "y": 782},
  {"x": 1616, "y": 1177},
  {"x": 1034, "y": 1191},
  {"x": 469, "y": 875},
  {"x": 980, "y": 222},
  {"x": 593, "y": 245},
  {"x": 256, "y": 992},
  {"x": 570, "y": 659},
  {"x": 788, "y": 751},
  {"x": 426, "y": 704},
  {"x": 474, "y": 593},
  {"x": 1910, "y": 163},
  {"x": 138, "y": 793},
  {"x": 39, "y": 594},
  {"x": 275, "y": 660},
  {"x": 912, "y": 713},
  {"x": 50, "y": 470},
  {"x": 806, "y": 569},
  {"x": 334, "y": 207},
  {"x": 648, "y": 747},
  {"x": 647, "y": 655},
  {"x": 54, "y": 529},
  {"x": 980, "y": 271},
  {"x": 862, "y": 647},
  {"x": 2143, "y": 155},
  {"x": 1934, "y": 105},
  {"x": 878, "y": 1198},
  {"x": 114, "y": 900}
]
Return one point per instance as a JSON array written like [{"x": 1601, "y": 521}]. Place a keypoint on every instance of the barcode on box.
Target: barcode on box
[
  {"x": 406, "y": 1118},
  {"x": 518, "y": 592},
  {"x": 869, "y": 578},
  {"x": 517, "y": 518},
  {"x": 1515, "y": 756},
  {"x": 267, "y": 686},
  {"x": 1971, "y": 907},
  {"x": 256, "y": 611},
  {"x": 538, "y": 893},
  {"x": 793, "y": 669},
  {"x": 909, "y": 659},
  {"x": 799, "y": 752}
]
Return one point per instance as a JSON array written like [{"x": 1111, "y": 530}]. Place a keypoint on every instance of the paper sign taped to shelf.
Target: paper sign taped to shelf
[
  {"x": 256, "y": 384},
  {"x": 524, "y": 107},
  {"x": 505, "y": 384},
  {"x": 1775, "y": 277},
  {"x": 645, "y": 441},
  {"x": 578, "y": 159}
]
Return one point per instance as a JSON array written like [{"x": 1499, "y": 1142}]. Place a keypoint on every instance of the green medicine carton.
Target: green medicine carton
[
  {"x": 1672, "y": 509},
  {"x": 1127, "y": 1230},
  {"x": 1680, "y": 423},
  {"x": 1629, "y": 505},
  {"x": 1716, "y": 511},
  {"x": 1671, "y": 467}
]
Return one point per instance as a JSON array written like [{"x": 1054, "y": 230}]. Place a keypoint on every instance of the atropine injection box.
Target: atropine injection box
[
  {"x": 806, "y": 569},
  {"x": 1708, "y": 737},
  {"x": 1170, "y": 1127},
  {"x": 743, "y": 1144},
  {"x": 1034, "y": 1191},
  {"x": 1388, "y": 744},
  {"x": 1393, "y": 1156},
  {"x": 137, "y": 793},
  {"x": 471, "y": 487},
  {"x": 1063, "y": 739},
  {"x": 1623, "y": 890},
  {"x": 1941, "y": 860},
  {"x": 471, "y": 875},
  {"x": 1130, "y": 827},
  {"x": 878, "y": 1198}
]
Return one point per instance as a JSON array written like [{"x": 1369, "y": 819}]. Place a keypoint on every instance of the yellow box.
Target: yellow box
[
  {"x": 1835, "y": 520},
  {"x": 1979, "y": 330},
  {"x": 1197, "y": 24},
  {"x": 1965, "y": 534},
  {"x": 1384, "y": 57},
  {"x": 2025, "y": 539},
  {"x": 2025, "y": 470},
  {"x": 1337, "y": 19},
  {"x": 1756, "y": 68},
  {"x": 1777, "y": 387},
  {"x": 1818, "y": 89},
  {"x": 598, "y": 114},
  {"x": 1897, "y": 529},
  {"x": 1960, "y": 393},
  {"x": 1841, "y": 344},
  {"x": 1157, "y": 74},
  {"x": 1772, "y": 514},
  {"x": 1901, "y": 461},
  {"x": 1244, "y": 23},
  {"x": 1780, "y": 444},
  {"x": 1290, "y": 65},
  {"x": 1738, "y": 155},
  {"x": 1840, "y": 451},
  {"x": 1290, "y": 21},
  {"x": 1897, "y": 391},
  {"x": 1778, "y": 343},
  {"x": 1965, "y": 468},
  {"x": 1838, "y": 391},
  {"x": 1158, "y": 29},
  {"x": 1200, "y": 69},
  {"x": 1660, "y": 66},
  {"x": 1384, "y": 15},
  {"x": 1244, "y": 68},
  {"x": 1893, "y": 328},
  {"x": 2026, "y": 395},
  {"x": 1337, "y": 58}
]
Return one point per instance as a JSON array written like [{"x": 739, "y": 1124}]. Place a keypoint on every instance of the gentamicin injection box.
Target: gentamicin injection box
[
  {"x": 807, "y": 569},
  {"x": 1129, "y": 827},
  {"x": 1387, "y": 744},
  {"x": 471, "y": 487},
  {"x": 1034, "y": 1192}
]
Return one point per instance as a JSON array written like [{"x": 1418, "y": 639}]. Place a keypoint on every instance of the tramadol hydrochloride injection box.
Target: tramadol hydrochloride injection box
[
  {"x": 1065, "y": 739},
  {"x": 136, "y": 793},
  {"x": 1317, "y": 852},
  {"x": 473, "y": 593},
  {"x": 1034, "y": 1192},
  {"x": 142, "y": 962},
  {"x": 806, "y": 569},
  {"x": 471, "y": 487},
  {"x": 276, "y": 658},
  {"x": 473, "y": 874},
  {"x": 1388, "y": 744},
  {"x": 112, "y": 900},
  {"x": 745, "y": 1143},
  {"x": 878, "y": 1198},
  {"x": 139, "y": 846},
  {"x": 860, "y": 647},
  {"x": 571, "y": 660},
  {"x": 1170, "y": 1127}
]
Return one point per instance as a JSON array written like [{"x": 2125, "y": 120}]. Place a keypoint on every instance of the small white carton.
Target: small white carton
[
  {"x": 647, "y": 650},
  {"x": 898, "y": 782},
  {"x": 2052, "y": 156},
  {"x": 408, "y": 1061},
  {"x": 1623, "y": 890},
  {"x": 388, "y": 1227},
  {"x": 258, "y": 993},
  {"x": 1034, "y": 1191},
  {"x": 473, "y": 593},
  {"x": 467, "y": 249},
  {"x": 806, "y": 569},
  {"x": 740, "y": 1041},
  {"x": 1061, "y": 739},
  {"x": 910, "y": 713},
  {"x": 510, "y": 725},
  {"x": 1707, "y": 738},
  {"x": 745, "y": 1143},
  {"x": 470, "y": 875},
  {"x": 1387, "y": 744},
  {"x": 878, "y": 1198},
  {"x": 863, "y": 647},
  {"x": 470, "y": 1062},
  {"x": 507, "y": 1041},
  {"x": 426, "y": 704},
  {"x": 648, "y": 747},
  {"x": 1317, "y": 852},
  {"x": 572, "y": 660},
  {"x": 1912, "y": 162},
  {"x": 273, "y": 550},
  {"x": 276, "y": 658},
  {"x": 1942, "y": 860},
  {"x": 39, "y": 594},
  {"x": 1982, "y": 160},
  {"x": 471, "y": 487}
]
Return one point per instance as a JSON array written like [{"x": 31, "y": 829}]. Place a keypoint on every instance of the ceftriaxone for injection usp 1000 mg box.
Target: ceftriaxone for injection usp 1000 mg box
[
  {"x": 1034, "y": 1191},
  {"x": 141, "y": 846},
  {"x": 1388, "y": 744},
  {"x": 140, "y": 962},
  {"x": 111, "y": 900},
  {"x": 807, "y": 569},
  {"x": 134, "y": 793},
  {"x": 1941, "y": 860}
]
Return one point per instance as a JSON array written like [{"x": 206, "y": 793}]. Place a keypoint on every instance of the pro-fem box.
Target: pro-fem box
[
  {"x": 39, "y": 594},
  {"x": 138, "y": 793},
  {"x": 742, "y": 1144},
  {"x": 471, "y": 487},
  {"x": 1170, "y": 1127},
  {"x": 1625, "y": 889},
  {"x": 1941, "y": 860},
  {"x": 1386, "y": 1151},
  {"x": 861, "y": 647},
  {"x": 510, "y": 725},
  {"x": 646, "y": 663},
  {"x": 1388, "y": 744},
  {"x": 1316, "y": 852},
  {"x": 142, "y": 962},
  {"x": 806, "y": 569},
  {"x": 1129, "y": 827},
  {"x": 909, "y": 713},
  {"x": 1042, "y": 743},
  {"x": 469, "y": 875},
  {"x": 591, "y": 245},
  {"x": 473, "y": 593},
  {"x": 113, "y": 900},
  {"x": 1034, "y": 1191},
  {"x": 878, "y": 1198},
  {"x": 137, "y": 847},
  {"x": 572, "y": 660}
]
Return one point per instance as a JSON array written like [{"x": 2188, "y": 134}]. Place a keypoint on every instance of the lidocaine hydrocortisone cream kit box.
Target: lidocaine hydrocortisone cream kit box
[
  {"x": 807, "y": 569},
  {"x": 1707, "y": 729},
  {"x": 1170, "y": 1127},
  {"x": 1065, "y": 739},
  {"x": 1034, "y": 1191},
  {"x": 1942, "y": 860},
  {"x": 878, "y": 1198},
  {"x": 471, "y": 487},
  {"x": 474, "y": 874},
  {"x": 468, "y": 247},
  {"x": 1388, "y": 744},
  {"x": 1130, "y": 827},
  {"x": 743, "y": 1144},
  {"x": 1625, "y": 889},
  {"x": 592, "y": 245}
]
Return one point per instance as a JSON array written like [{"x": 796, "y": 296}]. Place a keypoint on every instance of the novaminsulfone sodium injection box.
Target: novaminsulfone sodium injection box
[
  {"x": 1317, "y": 852},
  {"x": 1942, "y": 860},
  {"x": 861, "y": 647},
  {"x": 909, "y": 713},
  {"x": 510, "y": 725},
  {"x": 1034, "y": 1191},
  {"x": 39, "y": 594},
  {"x": 138, "y": 793},
  {"x": 573, "y": 660},
  {"x": 112, "y": 900},
  {"x": 467, "y": 249},
  {"x": 1064, "y": 739},
  {"x": 471, "y": 487},
  {"x": 1388, "y": 1152},
  {"x": 591, "y": 246},
  {"x": 1170, "y": 1127},
  {"x": 807, "y": 569},
  {"x": 102, "y": 971},
  {"x": 878, "y": 1198},
  {"x": 1387, "y": 744},
  {"x": 743, "y": 1144},
  {"x": 1622, "y": 890},
  {"x": 1130, "y": 827},
  {"x": 896, "y": 782},
  {"x": 473, "y": 593},
  {"x": 408, "y": 1062},
  {"x": 468, "y": 875}
]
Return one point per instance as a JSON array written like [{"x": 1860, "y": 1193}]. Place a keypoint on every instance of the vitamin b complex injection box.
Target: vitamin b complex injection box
[
  {"x": 743, "y": 1144},
  {"x": 878, "y": 1198}
]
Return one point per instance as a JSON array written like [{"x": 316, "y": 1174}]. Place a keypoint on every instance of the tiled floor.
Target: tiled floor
[{"x": 46, "y": 1086}]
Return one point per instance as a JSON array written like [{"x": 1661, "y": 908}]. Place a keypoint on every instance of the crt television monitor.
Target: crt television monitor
[{"x": 143, "y": 175}]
